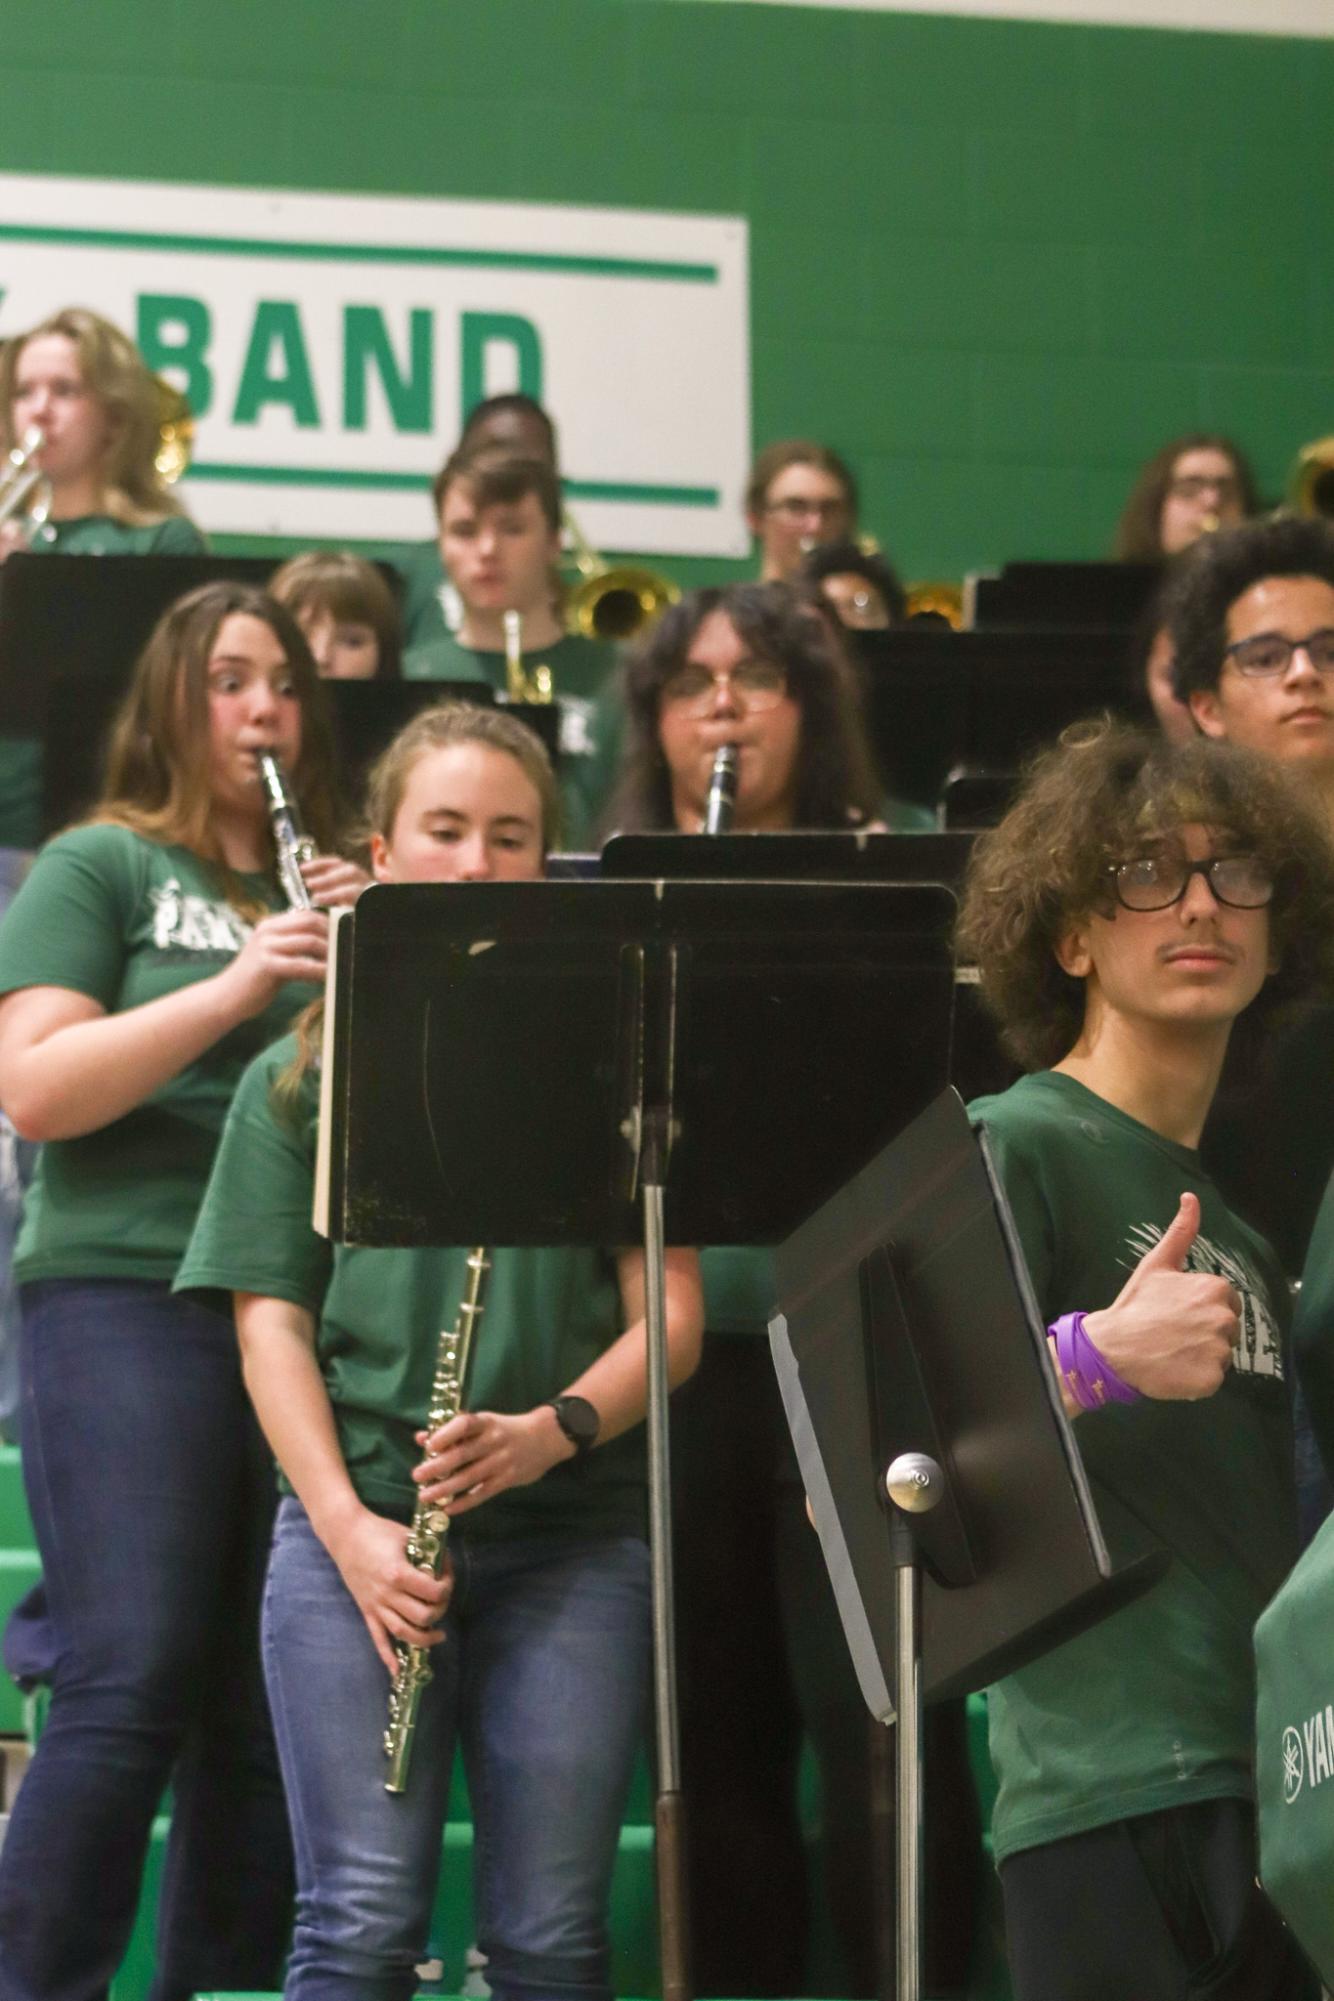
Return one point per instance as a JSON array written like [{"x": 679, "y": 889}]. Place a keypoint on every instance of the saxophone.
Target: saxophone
[
  {"x": 290, "y": 840},
  {"x": 430, "y": 1522}
]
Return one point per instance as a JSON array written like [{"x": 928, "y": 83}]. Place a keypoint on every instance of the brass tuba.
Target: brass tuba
[
  {"x": 1311, "y": 482},
  {"x": 612, "y": 601}
]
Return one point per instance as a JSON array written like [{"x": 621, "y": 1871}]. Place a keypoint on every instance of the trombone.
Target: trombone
[
  {"x": 1311, "y": 481},
  {"x": 612, "y": 601}
]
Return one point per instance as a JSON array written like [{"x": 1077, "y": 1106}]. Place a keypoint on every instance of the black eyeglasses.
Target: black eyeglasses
[
  {"x": 1195, "y": 485},
  {"x": 1156, "y": 882},
  {"x": 795, "y": 509},
  {"x": 1271, "y": 653}
]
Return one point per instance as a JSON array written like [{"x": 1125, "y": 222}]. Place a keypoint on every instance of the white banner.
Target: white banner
[
  {"x": 331, "y": 344},
  {"x": 1234, "y": 17}
]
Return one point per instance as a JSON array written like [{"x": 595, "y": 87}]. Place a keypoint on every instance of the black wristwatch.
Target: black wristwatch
[{"x": 579, "y": 1421}]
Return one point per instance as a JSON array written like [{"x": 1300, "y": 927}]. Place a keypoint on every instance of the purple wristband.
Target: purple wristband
[{"x": 1089, "y": 1377}]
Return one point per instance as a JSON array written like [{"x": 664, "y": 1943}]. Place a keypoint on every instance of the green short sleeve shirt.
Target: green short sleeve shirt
[
  {"x": 548, "y": 1313},
  {"x": 126, "y": 920},
  {"x": 1154, "y": 1707},
  {"x": 102, "y": 535},
  {"x": 583, "y": 673}
]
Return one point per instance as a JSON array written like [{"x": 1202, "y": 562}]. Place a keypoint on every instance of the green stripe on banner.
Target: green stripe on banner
[
  {"x": 416, "y": 482},
  {"x": 364, "y": 253}
]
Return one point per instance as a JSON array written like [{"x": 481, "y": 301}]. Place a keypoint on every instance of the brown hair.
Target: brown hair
[
  {"x": 787, "y": 452},
  {"x": 351, "y": 591},
  {"x": 494, "y": 478},
  {"x": 157, "y": 766},
  {"x": 1095, "y": 800},
  {"x": 1139, "y": 531},
  {"x": 115, "y": 373},
  {"x": 835, "y": 780}
]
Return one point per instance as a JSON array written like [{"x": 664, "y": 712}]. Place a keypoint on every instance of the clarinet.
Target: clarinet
[
  {"x": 290, "y": 839},
  {"x": 430, "y": 1522},
  {"x": 721, "y": 809}
]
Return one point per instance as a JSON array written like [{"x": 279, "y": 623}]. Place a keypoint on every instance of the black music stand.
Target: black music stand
[
  {"x": 944, "y": 1479},
  {"x": 1027, "y": 595},
  {"x": 598, "y": 1063}
]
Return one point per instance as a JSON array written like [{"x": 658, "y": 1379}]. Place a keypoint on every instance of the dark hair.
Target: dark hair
[
  {"x": 1093, "y": 801},
  {"x": 351, "y": 591},
  {"x": 1139, "y": 531},
  {"x": 157, "y": 767},
  {"x": 797, "y": 452},
  {"x": 849, "y": 559},
  {"x": 1227, "y": 565},
  {"x": 835, "y": 778},
  {"x": 514, "y": 403},
  {"x": 494, "y": 478}
]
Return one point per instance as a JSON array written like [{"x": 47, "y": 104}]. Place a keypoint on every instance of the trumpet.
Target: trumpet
[
  {"x": 292, "y": 843},
  {"x": 24, "y": 491},
  {"x": 523, "y": 684},
  {"x": 430, "y": 1523},
  {"x": 612, "y": 601}
]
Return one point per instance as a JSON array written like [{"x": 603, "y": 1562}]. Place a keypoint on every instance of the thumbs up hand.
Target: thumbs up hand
[{"x": 1169, "y": 1332}]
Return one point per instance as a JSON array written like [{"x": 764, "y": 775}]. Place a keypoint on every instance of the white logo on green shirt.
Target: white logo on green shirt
[
  {"x": 186, "y": 923},
  {"x": 1259, "y": 1352}
]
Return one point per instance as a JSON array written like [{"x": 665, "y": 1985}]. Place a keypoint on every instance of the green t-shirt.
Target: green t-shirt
[
  {"x": 1154, "y": 1707},
  {"x": 547, "y": 1315},
  {"x": 583, "y": 675},
  {"x": 423, "y": 575},
  {"x": 103, "y": 535},
  {"x": 125, "y": 920}
]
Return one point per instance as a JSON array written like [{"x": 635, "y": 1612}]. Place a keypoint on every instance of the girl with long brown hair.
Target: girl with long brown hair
[{"x": 144, "y": 961}]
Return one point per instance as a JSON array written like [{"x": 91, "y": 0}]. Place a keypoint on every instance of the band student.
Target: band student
[
  {"x": 761, "y": 1660},
  {"x": 143, "y": 963},
  {"x": 540, "y": 1633},
  {"x": 799, "y": 494},
  {"x": 83, "y": 385},
  {"x": 1134, "y": 902},
  {"x": 500, "y": 523}
]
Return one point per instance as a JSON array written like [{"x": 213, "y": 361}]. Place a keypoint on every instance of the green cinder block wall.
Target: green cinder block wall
[{"x": 994, "y": 262}]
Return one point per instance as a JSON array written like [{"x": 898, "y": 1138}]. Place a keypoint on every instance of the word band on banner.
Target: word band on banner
[{"x": 330, "y": 345}]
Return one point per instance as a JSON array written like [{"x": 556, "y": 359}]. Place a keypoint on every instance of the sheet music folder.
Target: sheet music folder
[
  {"x": 490, "y": 1050},
  {"x": 1024, "y": 1566}
]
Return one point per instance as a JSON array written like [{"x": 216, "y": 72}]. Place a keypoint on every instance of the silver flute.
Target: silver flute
[
  {"x": 430, "y": 1522},
  {"x": 290, "y": 838}
]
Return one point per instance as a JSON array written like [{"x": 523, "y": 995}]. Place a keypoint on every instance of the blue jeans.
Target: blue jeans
[
  {"x": 542, "y": 1679},
  {"x": 152, "y": 1496}
]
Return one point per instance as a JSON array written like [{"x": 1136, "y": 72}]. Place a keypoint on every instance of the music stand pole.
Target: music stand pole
[
  {"x": 669, "y": 1806},
  {"x": 913, "y": 1483}
]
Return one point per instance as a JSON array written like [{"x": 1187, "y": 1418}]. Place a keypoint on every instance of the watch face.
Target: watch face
[{"x": 578, "y": 1420}]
